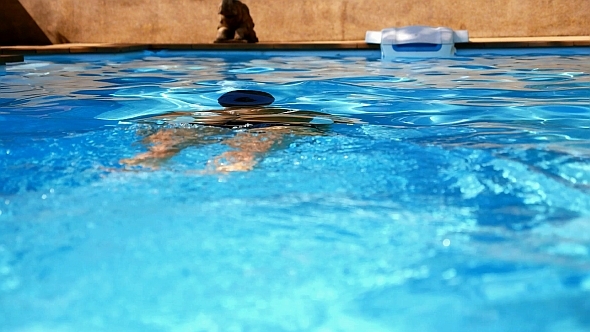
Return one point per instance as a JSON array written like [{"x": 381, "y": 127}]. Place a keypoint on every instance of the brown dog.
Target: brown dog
[{"x": 235, "y": 21}]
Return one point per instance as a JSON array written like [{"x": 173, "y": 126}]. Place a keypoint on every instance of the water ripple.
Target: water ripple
[{"x": 463, "y": 196}]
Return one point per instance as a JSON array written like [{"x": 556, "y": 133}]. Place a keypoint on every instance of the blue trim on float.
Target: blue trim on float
[{"x": 416, "y": 47}]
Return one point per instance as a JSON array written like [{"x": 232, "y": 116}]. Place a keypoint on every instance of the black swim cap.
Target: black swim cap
[{"x": 245, "y": 98}]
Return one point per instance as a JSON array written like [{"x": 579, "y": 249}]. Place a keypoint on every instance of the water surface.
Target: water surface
[{"x": 461, "y": 203}]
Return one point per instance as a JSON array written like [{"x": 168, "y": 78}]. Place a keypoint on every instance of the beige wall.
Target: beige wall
[{"x": 195, "y": 21}]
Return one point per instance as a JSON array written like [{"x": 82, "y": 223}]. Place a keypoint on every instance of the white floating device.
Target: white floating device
[{"x": 417, "y": 41}]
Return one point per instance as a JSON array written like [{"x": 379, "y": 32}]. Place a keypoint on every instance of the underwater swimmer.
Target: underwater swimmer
[{"x": 245, "y": 125}]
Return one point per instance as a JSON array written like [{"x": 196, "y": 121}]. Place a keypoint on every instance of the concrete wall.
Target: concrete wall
[
  {"x": 16, "y": 25},
  {"x": 195, "y": 21}
]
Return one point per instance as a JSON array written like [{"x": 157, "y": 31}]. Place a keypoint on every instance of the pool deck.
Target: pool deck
[{"x": 16, "y": 53}]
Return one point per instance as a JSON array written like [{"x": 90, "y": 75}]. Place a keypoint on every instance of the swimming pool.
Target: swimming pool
[{"x": 460, "y": 203}]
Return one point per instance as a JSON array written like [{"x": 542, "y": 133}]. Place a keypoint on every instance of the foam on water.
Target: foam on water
[{"x": 461, "y": 203}]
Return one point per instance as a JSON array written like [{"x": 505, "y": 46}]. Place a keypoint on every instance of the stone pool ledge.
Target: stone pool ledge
[
  {"x": 526, "y": 42},
  {"x": 71, "y": 48},
  {"x": 120, "y": 48},
  {"x": 474, "y": 43}
]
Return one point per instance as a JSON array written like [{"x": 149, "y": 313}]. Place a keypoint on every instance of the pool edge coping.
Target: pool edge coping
[{"x": 78, "y": 48}]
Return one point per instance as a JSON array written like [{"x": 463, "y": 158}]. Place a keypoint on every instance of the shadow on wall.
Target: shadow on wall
[{"x": 17, "y": 27}]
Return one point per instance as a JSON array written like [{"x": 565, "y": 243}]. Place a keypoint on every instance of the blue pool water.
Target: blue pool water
[{"x": 460, "y": 203}]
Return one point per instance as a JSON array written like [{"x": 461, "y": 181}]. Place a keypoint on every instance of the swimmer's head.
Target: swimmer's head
[{"x": 246, "y": 98}]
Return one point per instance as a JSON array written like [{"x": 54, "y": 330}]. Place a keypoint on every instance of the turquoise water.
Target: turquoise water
[{"x": 461, "y": 202}]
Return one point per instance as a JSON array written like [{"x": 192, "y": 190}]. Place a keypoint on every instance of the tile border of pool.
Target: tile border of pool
[{"x": 16, "y": 53}]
